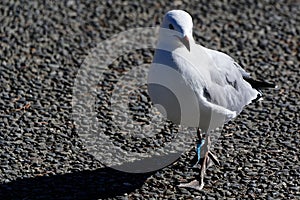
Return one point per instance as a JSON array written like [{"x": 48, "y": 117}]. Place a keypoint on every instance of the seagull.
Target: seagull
[{"x": 197, "y": 87}]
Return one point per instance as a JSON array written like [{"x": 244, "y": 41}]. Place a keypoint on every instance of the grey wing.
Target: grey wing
[{"x": 228, "y": 87}]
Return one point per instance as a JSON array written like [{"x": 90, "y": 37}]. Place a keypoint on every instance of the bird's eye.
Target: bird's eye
[{"x": 171, "y": 27}]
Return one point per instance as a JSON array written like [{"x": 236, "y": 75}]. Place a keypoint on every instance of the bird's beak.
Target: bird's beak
[{"x": 185, "y": 41}]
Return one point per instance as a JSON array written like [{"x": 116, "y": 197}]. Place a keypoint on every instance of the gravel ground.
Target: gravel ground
[{"x": 43, "y": 44}]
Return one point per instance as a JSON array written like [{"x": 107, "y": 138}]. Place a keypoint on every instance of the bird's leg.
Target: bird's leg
[
  {"x": 200, "y": 143},
  {"x": 203, "y": 162},
  {"x": 201, "y": 166},
  {"x": 206, "y": 161}
]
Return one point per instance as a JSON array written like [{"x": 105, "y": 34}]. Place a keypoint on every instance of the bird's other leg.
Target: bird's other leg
[
  {"x": 202, "y": 162},
  {"x": 208, "y": 159},
  {"x": 205, "y": 159}
]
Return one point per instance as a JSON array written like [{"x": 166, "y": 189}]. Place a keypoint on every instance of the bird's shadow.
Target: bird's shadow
[
  {"x": 101, "y": 183},
  {"x": 98, "y": 184}
]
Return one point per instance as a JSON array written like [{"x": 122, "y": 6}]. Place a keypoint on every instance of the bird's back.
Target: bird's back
[
  {"x": 228, "y": 87},
  {"x": 204, "y": 95}
]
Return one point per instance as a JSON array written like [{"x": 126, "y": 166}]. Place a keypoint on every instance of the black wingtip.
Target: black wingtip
[{"x": 258, "y": 84}]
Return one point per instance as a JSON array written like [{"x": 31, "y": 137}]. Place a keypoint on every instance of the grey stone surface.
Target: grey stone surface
[{"x": 42, "y": 46}]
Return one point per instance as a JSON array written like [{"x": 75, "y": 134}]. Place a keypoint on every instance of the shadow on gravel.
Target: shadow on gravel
[{"x": 101, "y": 183}]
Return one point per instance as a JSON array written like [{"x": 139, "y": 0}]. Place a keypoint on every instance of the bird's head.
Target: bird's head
[{"x": 180, "y": 25}]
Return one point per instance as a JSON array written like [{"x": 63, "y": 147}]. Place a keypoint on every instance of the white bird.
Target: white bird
[{"x": 196, "y": 86}]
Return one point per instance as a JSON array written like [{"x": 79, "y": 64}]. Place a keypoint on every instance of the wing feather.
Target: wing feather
[{"x": 228, "y": 87}]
